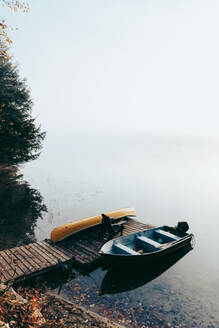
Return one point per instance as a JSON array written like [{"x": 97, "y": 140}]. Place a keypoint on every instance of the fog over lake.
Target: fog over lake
[{"x": 128, "y": 94}]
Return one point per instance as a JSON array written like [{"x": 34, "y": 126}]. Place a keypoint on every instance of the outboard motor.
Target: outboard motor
[{"x": 182, "y": 226}]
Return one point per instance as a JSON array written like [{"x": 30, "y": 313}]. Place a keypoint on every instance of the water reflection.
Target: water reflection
[
  {"x": 117, "y": 281},
  {"x": 20, "y": 207}
]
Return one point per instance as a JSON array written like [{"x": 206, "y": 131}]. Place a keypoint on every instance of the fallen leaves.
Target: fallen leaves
[{"x": 17, "y": 312}]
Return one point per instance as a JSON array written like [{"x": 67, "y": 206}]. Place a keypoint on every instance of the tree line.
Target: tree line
[
  {"x": 20, "y": 141},
  {"x": 20, "y": 137}
]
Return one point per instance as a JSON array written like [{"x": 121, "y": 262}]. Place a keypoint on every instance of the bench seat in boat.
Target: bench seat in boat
[
  {"x": 122, "y": 249},
  {"x": 148, "y": 243},
  {"x": 167, "y": 236}
]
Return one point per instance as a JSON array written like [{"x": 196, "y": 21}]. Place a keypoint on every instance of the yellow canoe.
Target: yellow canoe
[{"x": 68, "y": 229}]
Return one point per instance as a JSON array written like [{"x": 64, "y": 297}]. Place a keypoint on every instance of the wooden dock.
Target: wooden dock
[{"x": 79, "y": 251}]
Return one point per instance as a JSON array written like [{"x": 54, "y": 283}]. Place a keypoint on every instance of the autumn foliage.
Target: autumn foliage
[
  {"x": 19, "y": 312},
  {"x": 5, "y": 29}
]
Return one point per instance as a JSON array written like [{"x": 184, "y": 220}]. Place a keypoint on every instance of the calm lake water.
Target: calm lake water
[{"x": 166, "y": 181}]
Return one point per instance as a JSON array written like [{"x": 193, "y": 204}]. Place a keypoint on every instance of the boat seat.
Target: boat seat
[
  {"x": 122, "y": 249},
  {"x": 166, "y": 236},
  {"x": 148, "y": 243}
]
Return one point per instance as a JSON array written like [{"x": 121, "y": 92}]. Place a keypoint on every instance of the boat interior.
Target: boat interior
[{"x": 143, "y": 242}]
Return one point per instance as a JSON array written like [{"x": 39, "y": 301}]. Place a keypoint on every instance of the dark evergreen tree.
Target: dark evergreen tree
[{"x": 20, "y": 138}]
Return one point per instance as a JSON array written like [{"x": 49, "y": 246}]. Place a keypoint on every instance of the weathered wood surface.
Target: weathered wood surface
[{"x": 81, "y": 250}]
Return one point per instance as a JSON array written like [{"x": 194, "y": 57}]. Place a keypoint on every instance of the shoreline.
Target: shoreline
[
  {"x": 73, "y": 315},
  {"x": 33, "y": 308}
]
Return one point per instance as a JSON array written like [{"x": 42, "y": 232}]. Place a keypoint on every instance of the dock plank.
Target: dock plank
[
  {"x": 63, "y": 256},
  {"x": 13, "y": 262},
  {"x": 87, "y": 250},
  {"x": 50, "y": 252},
  {"x": 24, "y": 262},
  {"x": 36, "y": 263},
  {"x": 37, "y": 257},
  {"x": 7, "y": 272},
  {"x": 84, "y": 256},
  {"x": 4, "y": 262},
  {"x": 54, "y": 252},
  {"x": 26, "y": 259},
  {"x": 49, "y": 260}
]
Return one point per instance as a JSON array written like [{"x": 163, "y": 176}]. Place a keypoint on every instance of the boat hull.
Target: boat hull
[{"x": 117, "y": 260}]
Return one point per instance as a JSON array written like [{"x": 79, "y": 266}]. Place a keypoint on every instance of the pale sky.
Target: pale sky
[{"x": 121, "y": 66}]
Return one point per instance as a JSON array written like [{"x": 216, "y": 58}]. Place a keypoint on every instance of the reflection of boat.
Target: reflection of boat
[
  {"x": 117, "y": 281},
  {"x": 144, "y": 246},
  {"x": 68, "y": 229}
]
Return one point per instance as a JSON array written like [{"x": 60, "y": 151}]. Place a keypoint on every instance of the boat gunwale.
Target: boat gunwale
[{"x": 171, "y": 244}]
